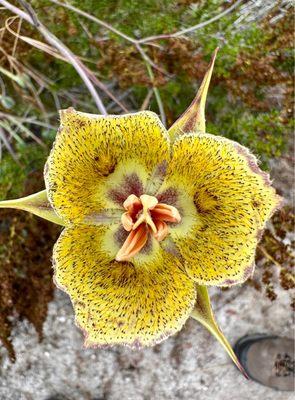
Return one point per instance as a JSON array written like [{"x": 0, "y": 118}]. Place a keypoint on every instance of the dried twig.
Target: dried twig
[
  {"x": 27, "y": 131},
  {"x": 147, "y": 59},
  {"x": 96, "y": 20},
  {"x": 192, "y": 28},
  {"x": 147, "y": 100},
  {"x": 149, "y": 38},
  {"x": 156, "y": 93},
  {"x": 7, "y": 146},
  {"x": 112, "y": 29},
  {"x": 289, "y": 275},
  {"x": 268, "y": 256},
  {"x": 53, "y": 52},
  {"x": 87, "y": 75},
  {"x": 16, "y": 38}
]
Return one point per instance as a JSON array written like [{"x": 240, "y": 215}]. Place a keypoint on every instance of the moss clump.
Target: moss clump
[
  {"x": 264, "y": 133},
  {"x": 13, "y": 176}
]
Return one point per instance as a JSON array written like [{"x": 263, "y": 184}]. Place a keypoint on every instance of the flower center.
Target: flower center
[{"x": 144, "y": 216}]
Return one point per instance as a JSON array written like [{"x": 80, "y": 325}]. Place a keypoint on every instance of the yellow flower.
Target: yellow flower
[
  {"x": 147, "y": 219},
  {"x": 149, "y": 216}
]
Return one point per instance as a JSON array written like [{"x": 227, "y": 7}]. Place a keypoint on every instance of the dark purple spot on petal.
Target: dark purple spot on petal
[
  {"x": 134, "y": 185},
  {"x": 160, "y": 170},
  {"x": 148, "y": 246},
  {"x": 118, "y": 196},
  {"x": 121, "y": 235},
  {"x": 169, "y": 196},
  {"x": 131, "y": 184}
]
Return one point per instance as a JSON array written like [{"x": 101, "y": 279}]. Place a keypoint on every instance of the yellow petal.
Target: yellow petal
[
  {"x": 36, "y": 204},
  {"x": 94, "y": 151},
  {"x": 135, "y": 304},
  {"x": 193, "y": 119},
  {"x": 233, "y": 199},
  {"x": 203, "y": 313}
]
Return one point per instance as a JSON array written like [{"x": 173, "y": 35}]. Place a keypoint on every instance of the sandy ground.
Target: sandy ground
[{"x": 190, "y": 365}]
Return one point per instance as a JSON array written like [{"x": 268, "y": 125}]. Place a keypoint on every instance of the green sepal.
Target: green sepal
[
  {"x": 37, "y": 204},
  {"x": 193, "y": 119},
  {"x": 203, "y": 313}
]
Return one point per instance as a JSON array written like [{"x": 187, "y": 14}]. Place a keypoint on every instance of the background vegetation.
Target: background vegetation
[{"x": 136, "y": 54}]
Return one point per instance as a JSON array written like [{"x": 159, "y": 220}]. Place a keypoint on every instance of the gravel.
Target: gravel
[{"x": 190, "y": 365}]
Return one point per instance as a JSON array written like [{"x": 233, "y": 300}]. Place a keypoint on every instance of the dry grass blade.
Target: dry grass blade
[
  {"x": 14, "y": 77},
  {"x": 7, "y": 127},
  {"x": 114, "y": 30},
  {"x": 27, "y": 131},
  {"x": 192, "y": 28},
  {"x": 8, "y": 146},
  {"x": 147, "y": 100},
  {"x": 96, "y": 20},
  {"x": 58, "y": 55},
  {"x": 103, "y": 87},
  {"x": 32, "y": 19},
  {"x": 155, "y": 89}
]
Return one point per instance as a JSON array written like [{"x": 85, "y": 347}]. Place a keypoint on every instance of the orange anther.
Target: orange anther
[{"x": 143, "y": 216}]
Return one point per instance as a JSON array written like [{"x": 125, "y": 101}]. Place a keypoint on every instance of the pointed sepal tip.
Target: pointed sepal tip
[
  {"x": 37, "y": 204},
  {"x": 193, "y": 119},
  {"x": 203, "y": 313}
]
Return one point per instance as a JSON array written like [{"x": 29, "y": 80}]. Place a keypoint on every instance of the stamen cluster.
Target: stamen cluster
[{"x": 144, "y": 216}]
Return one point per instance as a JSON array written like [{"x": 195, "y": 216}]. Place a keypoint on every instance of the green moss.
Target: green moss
[
  {"x": 263, "y": 133},
  {"x": 13, "y": 176}
]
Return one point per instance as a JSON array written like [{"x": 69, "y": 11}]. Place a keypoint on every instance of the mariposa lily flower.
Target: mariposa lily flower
[{"x": 151, "y": 218}]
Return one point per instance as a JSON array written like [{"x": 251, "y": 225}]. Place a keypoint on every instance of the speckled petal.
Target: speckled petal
[
  {"x": 89, "y": 149},
  {"x": 233, "y": 199},
  {"x": 121, "y": 302}
]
